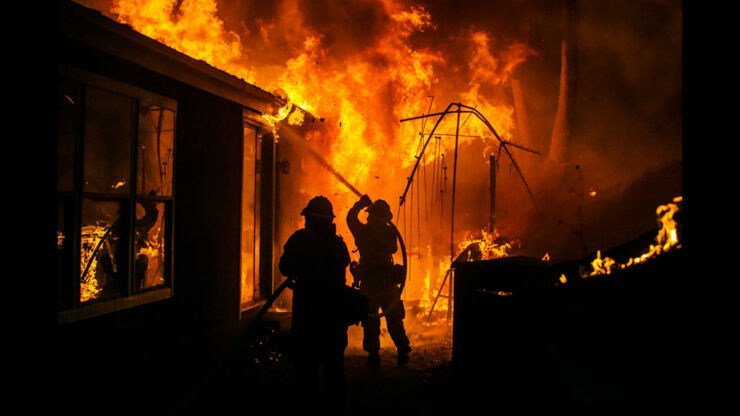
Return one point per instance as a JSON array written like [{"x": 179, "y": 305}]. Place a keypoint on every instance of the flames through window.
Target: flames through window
[{"x": 115, "y": 189}]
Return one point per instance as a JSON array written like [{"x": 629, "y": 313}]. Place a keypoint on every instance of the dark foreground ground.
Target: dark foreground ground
[
  {"x": 430, "y": 384},
  {"x": 598, "y": 344},
  {"x": 617, "y": 342},
  {"x": 260, "y": 380}
]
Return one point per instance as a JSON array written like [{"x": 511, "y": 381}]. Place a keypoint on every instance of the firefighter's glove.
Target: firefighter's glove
[{"x": 365, "y": 201}]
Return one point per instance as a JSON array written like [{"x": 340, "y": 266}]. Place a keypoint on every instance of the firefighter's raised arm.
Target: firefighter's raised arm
[{"x": 353, "y": 222}]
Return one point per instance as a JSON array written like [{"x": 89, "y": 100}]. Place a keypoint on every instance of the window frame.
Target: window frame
[
  {"x": 69, "y": 308},
  {"x": 259, "y": 297}
]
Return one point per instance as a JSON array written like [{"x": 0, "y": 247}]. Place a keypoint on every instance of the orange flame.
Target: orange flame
[
  {"x": 89, "y": 286},
  {"x": 191, "y": 27},
  {"x": 487, "y": 246},
  {"x": 362, "y": 94},
  {"x": 666, "y": 239}
]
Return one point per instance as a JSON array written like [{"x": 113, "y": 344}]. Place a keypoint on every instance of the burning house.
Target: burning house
[
  {"x": 166, "y": 201},
  {"x": 523, "y": 151}
]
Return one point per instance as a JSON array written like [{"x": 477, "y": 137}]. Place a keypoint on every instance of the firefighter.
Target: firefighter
[
  {"x": 378, "y": 280},
  {"x": 316, "y": 259}
]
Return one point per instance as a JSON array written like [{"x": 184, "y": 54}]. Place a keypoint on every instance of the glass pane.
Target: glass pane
[
  {"x": 64, "y": 255},
  {"x": 149, "y": 245},
  {"x": 156, "y": 138},
  {"x": 68, "y": 103},
  {"x": 61, "y": 231},
  {"x": 250, "y": 214},
  {"x": 102, "y": 252},
  {"x": 107, "y": 144}
]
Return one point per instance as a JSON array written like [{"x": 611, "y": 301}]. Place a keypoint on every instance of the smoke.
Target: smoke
[
  {"x": 632, "y": 72},
  {"x": 362, "y": 66}
]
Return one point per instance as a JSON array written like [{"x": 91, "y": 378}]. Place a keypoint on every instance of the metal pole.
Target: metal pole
[
  {"x": 416, "y": 165},
  {"x": 503, "y": 146},
  {"x": 454, "y": 183},
  {"x": 431, "y": 115},
  {"x": 452, "y": 219},
  {"x": 492, "y": 217},
  {"x": 418, "y": 219},
  {"x": 442, "y": 199},
  {"x": 439, "y": 293},
  {"x": 159, "y": 147}
]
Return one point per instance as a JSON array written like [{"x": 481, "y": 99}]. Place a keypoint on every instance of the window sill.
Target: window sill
[
  {"x": 113, "y": 305},
  {"x": 247, "y": 309}
]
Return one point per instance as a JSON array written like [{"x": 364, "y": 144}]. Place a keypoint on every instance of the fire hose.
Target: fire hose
[
  {"x": 400, "y": 287},
  {"x": 252, "y": 328},
  {"x": 303, "y": 145},
  {"x": 287, "y": 283}
]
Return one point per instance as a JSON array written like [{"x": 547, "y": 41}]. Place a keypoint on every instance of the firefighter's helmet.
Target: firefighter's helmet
[
  {"x": 380, "y": 209},
  {"x": 318, "y": 207}
]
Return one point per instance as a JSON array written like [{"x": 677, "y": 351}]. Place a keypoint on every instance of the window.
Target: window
[
  {"x": 250, "y": 224},
  {"x": 114, "y": 195}
]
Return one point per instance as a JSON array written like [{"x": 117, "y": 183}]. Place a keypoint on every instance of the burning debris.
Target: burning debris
[
  {"x": 484, "y": 246},
  {"x": 93, "y": 236},
  {"x": 666, "y": 240},
  {"x": 99, "y": 255}
]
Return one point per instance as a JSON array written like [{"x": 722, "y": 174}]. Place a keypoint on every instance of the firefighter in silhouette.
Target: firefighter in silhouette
[
  {"x": 378, "y": 278},
  {"x": 316, "y": 258}
]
